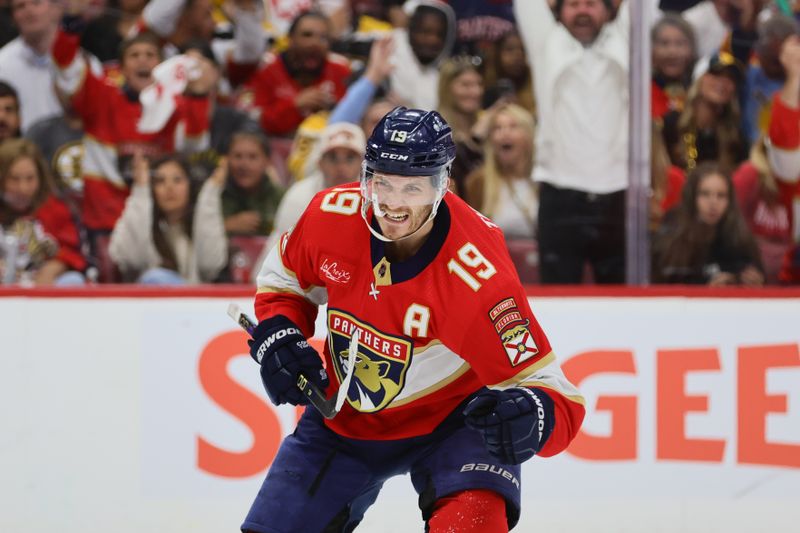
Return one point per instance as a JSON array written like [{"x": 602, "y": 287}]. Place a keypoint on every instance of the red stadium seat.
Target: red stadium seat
[
  {"x": 243, "y": 252},
  {"x": 525, "y": 255},
  {"x": 107, "y": 271}
]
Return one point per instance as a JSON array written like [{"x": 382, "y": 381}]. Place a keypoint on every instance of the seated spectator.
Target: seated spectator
[
  {"x": 503, "y": 188},
  {"x": 112, "y": 115},
  {"x": 48, "y": 247},
  {"x": 709, "y": 128},
  {"x": 420, "y": 50},
  {"x": 169, "y": 234},
  {"x": 304, "y": 79},
  {"x": 706, "y": 240},
  {"x": 252, "y": 193},
  {"x": 460, "y": 98},
  {"x": 674, "y": 55},
  {"x": 9, "y": 112},
  {"x": 507, "y": 73},
  {"x": 766, "y": 204},
  {"x": 338, "y": 161},
  {"x": 25, "y": 62}
]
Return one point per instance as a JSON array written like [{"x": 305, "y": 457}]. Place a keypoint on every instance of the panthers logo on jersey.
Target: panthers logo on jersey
[{"x": 380, "y": 364}]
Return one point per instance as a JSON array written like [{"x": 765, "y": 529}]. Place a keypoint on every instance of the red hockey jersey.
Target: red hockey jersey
[{"x": 432, "y": 329}]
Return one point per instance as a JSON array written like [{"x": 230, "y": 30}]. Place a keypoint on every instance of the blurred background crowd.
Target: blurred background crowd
[{"x": 173, "y": 141}]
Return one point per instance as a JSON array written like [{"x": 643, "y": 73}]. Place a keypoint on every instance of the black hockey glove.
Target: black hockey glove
[
  {"x": 283, "y": 352},
  {"x": 515, "y": 423}
]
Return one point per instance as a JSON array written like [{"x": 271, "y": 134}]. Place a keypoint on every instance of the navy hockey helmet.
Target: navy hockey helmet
[{"x": 412, "y": 143}]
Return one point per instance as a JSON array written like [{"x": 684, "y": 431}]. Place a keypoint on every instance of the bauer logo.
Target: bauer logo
[
  {"x": 380, "y": 365},
  {"x": 492, "y": 469}
]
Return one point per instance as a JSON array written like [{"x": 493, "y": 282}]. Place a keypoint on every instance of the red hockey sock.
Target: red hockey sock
[{"x": 469, "y": 511}]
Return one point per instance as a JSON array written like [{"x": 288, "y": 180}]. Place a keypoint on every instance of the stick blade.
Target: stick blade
[{"x": 234, "y": 311}]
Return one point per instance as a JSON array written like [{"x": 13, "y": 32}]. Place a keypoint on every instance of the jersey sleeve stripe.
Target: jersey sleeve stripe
[
  {"x": 274, "y": 278},
  {"x": 463, "y": 369},
  {"x": 437, "y": 367},
  {"x": 544, "y": 373}
]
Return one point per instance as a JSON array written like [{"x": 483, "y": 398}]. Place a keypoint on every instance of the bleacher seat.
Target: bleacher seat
[
  {"x": 525, "y": 255},
  {"x": 243, "y": 252}
]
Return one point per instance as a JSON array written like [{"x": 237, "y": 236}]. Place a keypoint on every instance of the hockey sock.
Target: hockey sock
[{"x": 469, "y": 511}]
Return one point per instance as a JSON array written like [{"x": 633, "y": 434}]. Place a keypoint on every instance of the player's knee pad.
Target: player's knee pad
[{"x": 469, "y": 511}]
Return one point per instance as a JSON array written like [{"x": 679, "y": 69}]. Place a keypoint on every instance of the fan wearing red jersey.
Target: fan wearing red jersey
[
  {"x": 111, "y": 113},
  {"x": 453, "y": 380}
]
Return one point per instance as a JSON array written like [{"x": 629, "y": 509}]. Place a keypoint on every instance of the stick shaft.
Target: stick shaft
[{"x": 307, "y": 387}]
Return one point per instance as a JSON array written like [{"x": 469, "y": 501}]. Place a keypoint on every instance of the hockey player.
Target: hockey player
[{"x": 453, "y": 382}]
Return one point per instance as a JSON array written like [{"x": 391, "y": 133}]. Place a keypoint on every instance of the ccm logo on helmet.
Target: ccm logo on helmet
[{"x": 397, "y": 157}]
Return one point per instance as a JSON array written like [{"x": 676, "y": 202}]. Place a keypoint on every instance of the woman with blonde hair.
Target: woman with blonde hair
[
  {"x": 503, "y": 188},
  {"x": 709, "y": 127}
]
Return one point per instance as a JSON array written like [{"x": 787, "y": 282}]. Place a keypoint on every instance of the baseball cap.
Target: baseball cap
[
  {"x": 343, "y": 135},
  {"x": 724, "y": 63}
]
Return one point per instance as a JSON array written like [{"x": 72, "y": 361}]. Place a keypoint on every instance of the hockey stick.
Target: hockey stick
[{"x": 329, "y": 407}]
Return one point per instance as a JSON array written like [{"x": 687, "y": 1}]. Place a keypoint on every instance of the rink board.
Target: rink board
[{"x": 146, "y": 414}]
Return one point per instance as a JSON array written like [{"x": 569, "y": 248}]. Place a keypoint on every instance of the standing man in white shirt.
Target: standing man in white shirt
[
  {"x": 25, "y": 62},
  {"x": 579, "y": 55}
]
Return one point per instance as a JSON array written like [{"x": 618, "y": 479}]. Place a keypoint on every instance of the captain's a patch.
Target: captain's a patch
[{"x": 513, "y": 329}]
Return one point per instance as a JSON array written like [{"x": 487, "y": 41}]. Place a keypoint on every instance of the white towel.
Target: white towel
[{"x": 158, "y": 99}]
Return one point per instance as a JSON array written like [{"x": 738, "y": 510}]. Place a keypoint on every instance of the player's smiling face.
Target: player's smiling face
[{"x": 405, "y": 202}]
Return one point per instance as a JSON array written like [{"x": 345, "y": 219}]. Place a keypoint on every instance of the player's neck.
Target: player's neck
[{"x": 404, "y": 249}]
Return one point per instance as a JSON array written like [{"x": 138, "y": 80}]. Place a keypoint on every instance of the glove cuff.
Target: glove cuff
[{"x": 543, "y": 404}]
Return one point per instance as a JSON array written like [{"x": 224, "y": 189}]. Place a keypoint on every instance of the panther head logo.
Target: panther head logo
[{"x": 371, "y": 388}]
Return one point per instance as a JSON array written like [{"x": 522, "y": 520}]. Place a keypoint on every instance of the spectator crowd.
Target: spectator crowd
[{"x": 174, "y": 141}]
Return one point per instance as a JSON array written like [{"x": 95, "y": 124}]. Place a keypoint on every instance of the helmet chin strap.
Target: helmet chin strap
[{"x": 380, "y": 213}]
